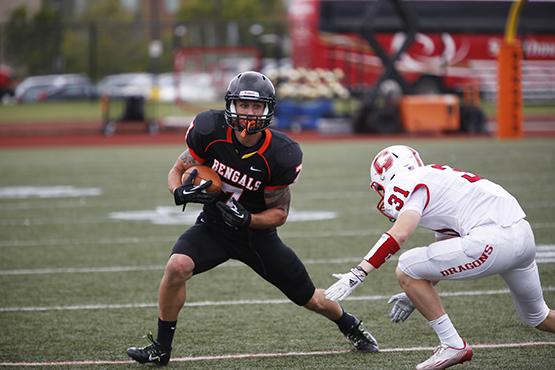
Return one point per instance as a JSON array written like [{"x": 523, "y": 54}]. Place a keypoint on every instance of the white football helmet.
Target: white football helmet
[{"x": 388, "y": 163}]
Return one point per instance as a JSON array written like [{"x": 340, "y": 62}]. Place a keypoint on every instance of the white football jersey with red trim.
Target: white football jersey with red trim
[{"x": 457, "y": 201}]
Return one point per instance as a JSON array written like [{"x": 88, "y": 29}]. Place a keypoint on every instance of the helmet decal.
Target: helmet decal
[
  {"x": 388, "y": 163},
  {"x": 383, "y": 161},
  {"x": 249, "y": 94}
]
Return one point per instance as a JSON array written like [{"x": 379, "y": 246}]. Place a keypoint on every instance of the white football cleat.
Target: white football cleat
[{"x": 445, "y": 356}]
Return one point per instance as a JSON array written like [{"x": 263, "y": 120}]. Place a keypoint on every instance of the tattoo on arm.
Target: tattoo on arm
[
  {"x": 187, "y": 158},
  {"x": 280, "y": 198}
]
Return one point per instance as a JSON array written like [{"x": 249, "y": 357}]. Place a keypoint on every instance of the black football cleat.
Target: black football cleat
[
  {"x": 361, "y": 338},
  {"x": 153, "y": 353}
]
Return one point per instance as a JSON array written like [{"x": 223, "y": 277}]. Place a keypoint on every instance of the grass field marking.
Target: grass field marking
[
  {"x": 42, "y": 192},
  {"x": 80, "y": 270},
  {"x": 238, "y": 302},
  {"x": 164, "y": 239},
  {"x": 168, "y": 220},
  {"x": 99, "y": 241},
  {"x": 83, "y": 204},
  {"x": 88, "y": 270},
  {"x": 240, "y": 356},
  {"x": 544, "y": 254},
  {"x": 474, "y": 345},
  {"x": 169, "y": 215},
  {"x": 55, "y": 221}
]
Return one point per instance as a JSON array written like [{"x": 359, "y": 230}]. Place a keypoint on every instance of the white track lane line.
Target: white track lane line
[
  {"x": 239, "y": 356},
  {"x": 463, "y": 293},
  {"x": 544, "y": 254}
]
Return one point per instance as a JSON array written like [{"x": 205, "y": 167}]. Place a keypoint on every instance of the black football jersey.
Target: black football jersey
[{"x": 246, "y": 172}]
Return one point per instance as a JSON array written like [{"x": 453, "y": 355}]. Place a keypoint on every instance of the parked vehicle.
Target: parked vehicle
[
  {"x": 55, "y": 87},
  {"x": 171, "y": 86},
  {"x": 187, "y": 87},
  {"x": 126, "y": 84}
]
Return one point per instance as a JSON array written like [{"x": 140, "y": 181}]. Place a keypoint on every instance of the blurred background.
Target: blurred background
[{"x": 385, "y": 66}]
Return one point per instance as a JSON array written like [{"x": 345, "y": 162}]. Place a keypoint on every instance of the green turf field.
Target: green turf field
[
  {"x": 81, "y": 264},
  {"x": 87, "y": 111}
]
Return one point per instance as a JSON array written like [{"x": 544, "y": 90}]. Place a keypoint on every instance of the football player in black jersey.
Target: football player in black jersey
[{"x": 256, "y": 165}]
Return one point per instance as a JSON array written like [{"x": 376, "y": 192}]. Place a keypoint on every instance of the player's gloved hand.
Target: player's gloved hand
[
  {"x": 190, "y": 193},
  {"x": 402, "y": 307},
  {"x": 346, "y": 284},
  {"x": 235, "y": 215}
]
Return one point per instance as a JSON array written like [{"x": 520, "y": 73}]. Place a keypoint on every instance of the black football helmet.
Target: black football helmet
[{"x": 252, "y": 86}]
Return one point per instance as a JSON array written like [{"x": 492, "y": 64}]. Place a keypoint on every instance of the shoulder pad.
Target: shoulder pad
[
  {"x": 285, "y": 158},
  {"x": 285, "y": 148},
  {"x": 400, "y": 189},
  {"x": 209, "y": 121}
]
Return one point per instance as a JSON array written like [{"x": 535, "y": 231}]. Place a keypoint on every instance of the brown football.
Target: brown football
[{"x": 204, "y": 174}]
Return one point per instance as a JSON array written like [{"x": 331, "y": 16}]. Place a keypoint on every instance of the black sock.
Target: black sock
[
  {"x": 346, "y": 322},
  {"x": 166, "y": 330}
]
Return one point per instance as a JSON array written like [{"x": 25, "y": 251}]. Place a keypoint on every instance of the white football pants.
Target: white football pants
[{"x": 486, "y": 250}]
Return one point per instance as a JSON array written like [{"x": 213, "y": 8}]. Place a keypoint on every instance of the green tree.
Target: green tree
[
  {"x": 32, "y": 44},
  {"x": 219, "y": 10},
  {"x": 209, "y": 23},
  {"x": 17, "y": 33},
  {"x": 109, "y": 36}
]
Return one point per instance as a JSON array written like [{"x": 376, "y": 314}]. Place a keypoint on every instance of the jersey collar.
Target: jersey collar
[{"x": 259, "y": 148}]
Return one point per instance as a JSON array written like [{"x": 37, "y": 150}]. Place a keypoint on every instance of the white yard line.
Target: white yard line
[
  {"x": 26, "y": 222},
  {"x": 135, "y": 240},
  {"x": 238, "y": 356},
  {"x": 370, "y": 232},
  {"x": 236, "y": 302},
  {"x": 544, "y": 254}
]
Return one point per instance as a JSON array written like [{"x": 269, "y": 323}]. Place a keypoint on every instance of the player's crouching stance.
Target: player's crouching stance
[
  {"x": 480, "y": 231},
  {"x": 256, "y": 165}
]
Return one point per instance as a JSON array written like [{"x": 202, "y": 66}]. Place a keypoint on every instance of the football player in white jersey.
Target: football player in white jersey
[{"x": 480, "y": 231}]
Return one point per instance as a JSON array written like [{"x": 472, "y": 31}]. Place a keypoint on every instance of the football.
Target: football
[{"x": 204, "y": 174}]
